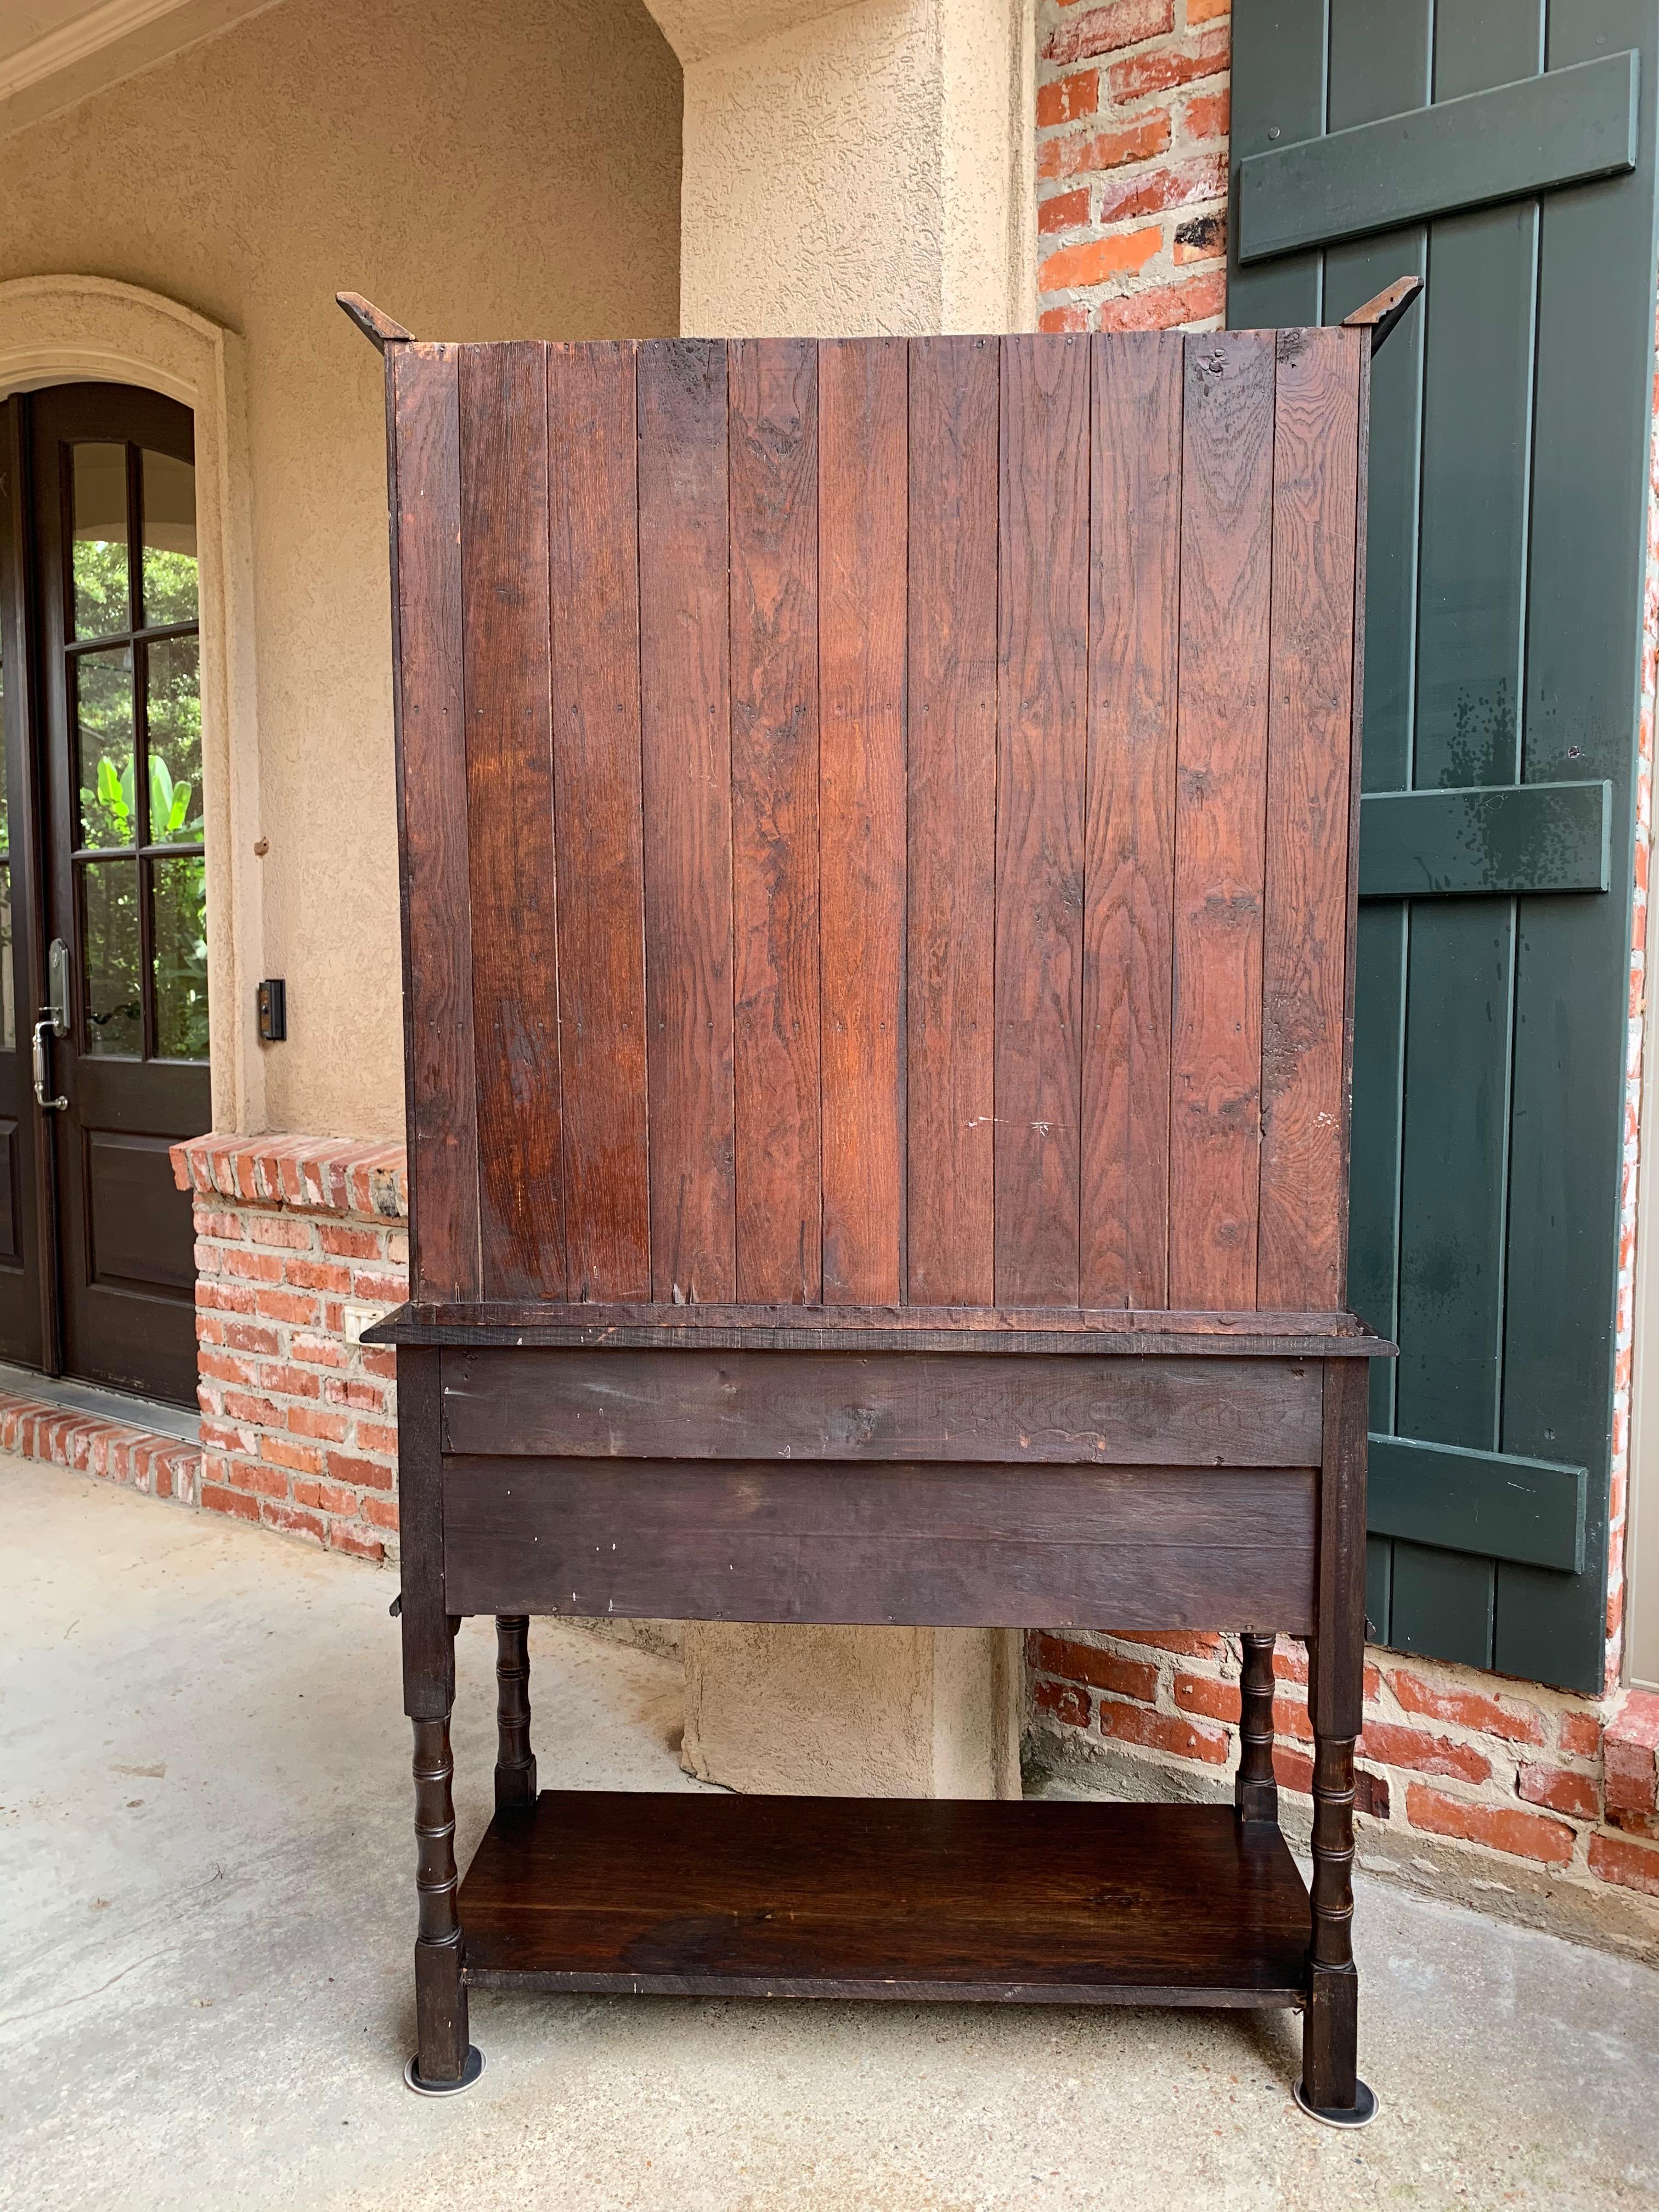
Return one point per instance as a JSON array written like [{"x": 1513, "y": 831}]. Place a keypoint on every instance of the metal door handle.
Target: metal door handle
[{"x": 42, "y": 1029}]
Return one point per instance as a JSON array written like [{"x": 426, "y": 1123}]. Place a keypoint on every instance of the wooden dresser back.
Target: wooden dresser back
[{"x": 878, "y": 817}]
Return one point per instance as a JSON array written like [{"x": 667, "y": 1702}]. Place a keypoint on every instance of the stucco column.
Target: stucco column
[{"x": 850, "y": 171}]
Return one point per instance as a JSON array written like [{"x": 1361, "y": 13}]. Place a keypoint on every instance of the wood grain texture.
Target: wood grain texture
[
  {"x": 1134, "y": 618},
  {"x": 1300, "y": 1255},
  {"x": 955, "y": 390},
  {"x": 423, "y": 401},
  {"x": 1215, "y": 1121},
  {"x": 963, "y": 1546},
  {"x": 862, "y": 407},
  {"x": 773, "y": 432},
  {"x": 428, "y": 1648},
  {"x": 509, "y": 807},
  {"x": 1028, "y": 1331},
  {"x": 1043, "y": 529},
  {"x": 686, "y": 782},
  {"x": 716, "y": 1894},
  {"x": 903, "y": 1405},
  {"x": 594, "y": 567}
]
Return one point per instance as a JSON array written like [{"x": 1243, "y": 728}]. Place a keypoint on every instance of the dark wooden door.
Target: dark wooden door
[
  {"x": 25, "y": 1331},
  {"x": 1503, "y": 149},
  {"x": 119, "y": 731}
]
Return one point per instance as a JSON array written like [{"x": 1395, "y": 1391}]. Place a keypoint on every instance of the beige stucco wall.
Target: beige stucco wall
[
  {"x": 507, "y": 169},
  {"x": 855, "y": 170}
]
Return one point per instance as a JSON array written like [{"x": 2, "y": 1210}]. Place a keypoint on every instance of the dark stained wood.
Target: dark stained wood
[
  {"x": 907, "y": 1899},
  {"x": 428, "y": 1655},
  {"x": 1256, "y": 1793},
  {"x": 1041, "y": 746},
  {"x": 594, "y": 569},
  {"x": 423, "y": 408},
  {"x": 509, "y": 807},
  {"x": 441, "y": 2008},
  {"x": 955, "y": 394},
  {"x": 1304, "y": 1169},
  {"x": 862, "y": 406},
  {"x": 952, "y": 828},
  {"x": 1134, "y": 612},
  {"x": 772, "y": 464},
  {"x": 951, "y": 1546},
  {"x": 1027, "y": 1333},
  {"x": 516, "y": 1762},
  {"x": 428, "y": 1668},
  {"x": 686, "y": 775},
  {"x": 883, "y": 1405},
  {"x": 1215, "y": 1119},
  {"x": 1336, "y": 1693}
]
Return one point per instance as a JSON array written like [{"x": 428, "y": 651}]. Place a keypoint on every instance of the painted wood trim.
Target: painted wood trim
[
  {"x": 1534, "y": 135},
  {"x": 1496, "y": 1505},
  {"x": 1486, "y": 839}
]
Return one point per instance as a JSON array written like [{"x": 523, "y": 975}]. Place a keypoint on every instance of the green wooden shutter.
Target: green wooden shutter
[{"x": 1510, "y": 146}]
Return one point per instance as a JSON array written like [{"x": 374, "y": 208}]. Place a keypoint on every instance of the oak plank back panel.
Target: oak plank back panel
[{"x": 907, "y": 854}]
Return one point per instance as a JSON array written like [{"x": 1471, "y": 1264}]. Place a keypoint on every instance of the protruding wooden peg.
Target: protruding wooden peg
[
  {"x": 1379, "y": 316},
  {"x": 379, "y": 330}
]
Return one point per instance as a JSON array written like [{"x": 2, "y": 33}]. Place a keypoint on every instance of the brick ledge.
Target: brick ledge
[
  {"x": 366, "y": 1177},
  {"x": 91, "y": 1444}
]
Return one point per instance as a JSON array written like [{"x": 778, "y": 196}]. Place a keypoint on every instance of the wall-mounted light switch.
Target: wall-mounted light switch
[{"x": 271, "y": 998}]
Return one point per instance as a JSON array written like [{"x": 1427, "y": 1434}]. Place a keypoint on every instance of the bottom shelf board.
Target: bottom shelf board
[{"x": 1052, "y": 1902}]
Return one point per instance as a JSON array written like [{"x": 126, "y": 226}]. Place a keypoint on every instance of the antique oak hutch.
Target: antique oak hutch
[{"x": 878, "y": 824}]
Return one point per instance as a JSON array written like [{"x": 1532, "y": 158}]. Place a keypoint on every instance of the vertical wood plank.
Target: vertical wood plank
[
  {"x": 423, "y": 405},
  {"x": 1304, "y": 993},
  {"x": 509, "y": 799},
  {"x": 773, "y": 431},
  {"x": 1135, "y": 616},
  {"x": 1215, "y": 1118},
  {"x": 686, "y": 780},
  {"x": 955, "y": 385},
  {"x": 1042, "y": 736},
  {"x": 594, "y": 569},
  {"x": 862, "y": 407}
]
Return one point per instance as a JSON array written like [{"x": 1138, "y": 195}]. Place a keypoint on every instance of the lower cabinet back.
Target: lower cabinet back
[{"x": 991, "y": 1546}]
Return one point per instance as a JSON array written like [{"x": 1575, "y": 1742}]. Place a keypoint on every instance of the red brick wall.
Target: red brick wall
[
  {"x": 301, "y": 1243},
  {"x": 1559, "y": 1782},
  {"x": 1132, "y": 122}
]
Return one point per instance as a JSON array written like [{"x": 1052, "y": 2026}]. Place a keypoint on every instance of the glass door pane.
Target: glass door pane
[{"x": 98, "y": 554}]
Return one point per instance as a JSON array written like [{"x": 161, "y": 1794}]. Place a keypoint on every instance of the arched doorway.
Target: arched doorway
[{"x": 104, "y": 1013}]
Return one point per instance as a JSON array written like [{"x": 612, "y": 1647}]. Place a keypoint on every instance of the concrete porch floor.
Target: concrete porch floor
[{"x": 207, "y": 1865}]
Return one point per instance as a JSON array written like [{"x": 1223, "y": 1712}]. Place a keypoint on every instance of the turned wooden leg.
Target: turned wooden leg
[
  {"x": 1330, "y": 2035},
  {"x": 1255, "y": 1794},
  {"x": 444, "y": 2060},
  {"x": 441, "y": 2029},
  {"x": 516, "y": 1762},
  {"x": 1331, "y": 2089}
]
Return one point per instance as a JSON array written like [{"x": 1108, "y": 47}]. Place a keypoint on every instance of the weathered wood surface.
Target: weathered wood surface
[
  {"x": 907, "y": 849},
  {"x": 906, "y": 1404},
  {"x": 953, "y": 1545},
  {"x": 425, "y": 435},
  {"x": 960, "y": 1329}
]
